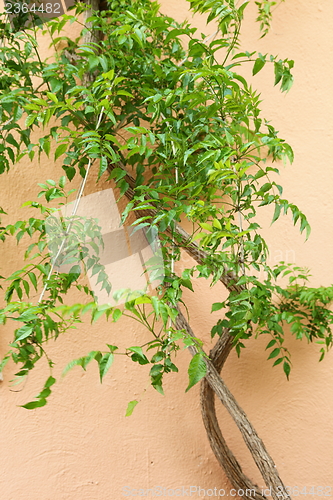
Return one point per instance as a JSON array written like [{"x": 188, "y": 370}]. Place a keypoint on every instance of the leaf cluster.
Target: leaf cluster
[{"x": 168, "y": 118}]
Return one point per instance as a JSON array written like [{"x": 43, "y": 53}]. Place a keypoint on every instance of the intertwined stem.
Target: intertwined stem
[
  {"x": 257, "y": 448},
  {"x": 224, "y": 455}
]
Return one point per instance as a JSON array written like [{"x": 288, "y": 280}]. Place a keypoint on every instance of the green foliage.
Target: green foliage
[
  {"x": 42, "y": 396},
  {"x": 197, "y": 370},
  {"x": 182, "y": 118},
  {"x": 265, "y": 14},
  {"x": 130, "y": 407}
]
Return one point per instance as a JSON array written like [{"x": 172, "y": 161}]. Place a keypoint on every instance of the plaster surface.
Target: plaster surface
[{"x": 81, "y": 446}]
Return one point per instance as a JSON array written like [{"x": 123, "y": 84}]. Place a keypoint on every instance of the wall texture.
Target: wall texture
[{"x": 81, "y": 446}]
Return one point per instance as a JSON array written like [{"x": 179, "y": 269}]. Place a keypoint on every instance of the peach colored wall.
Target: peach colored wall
[{"x": 81, "y": 446}]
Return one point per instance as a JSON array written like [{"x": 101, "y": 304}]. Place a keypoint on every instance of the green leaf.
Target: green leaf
[
  {"x": 206, "y": 226},
  {"x": 286, "y": 369},
  {"x": 308, "y": 231},
  {"x": 274, "y": 353},
  {"x": 33, "y": 279},
  {"x": 241, "y": 9},
  {"x": 112, "y": 347},
  {"x": 109, "y": 75},
  {"x": 187, "y": 284},
  {"x": 45, "y": 393},
  {"x": 26, "y": 287},
  {"x": 217, "y": 306},
  {"x": 270, "y": 344},
  {"x": 278, "y": 70},
  {"x": 158, "y": 356},
  {"x": 29, "y": 314},
  {"x": 287, "y": 82},
  {"x": 55, "y": 84},
  {"x": 60, "y": 150},
  {"x": 23, "y": 332},
  {"x": 10, "y": 139},
  {"x": 71, "y": 364},
  {"x": 277, "y": 212},
  {"x": 258, "y": 65},
  {"x": 117, "y": 313},
  {"x": 158, "y": 387},
  {"x": 197, "y": 370},
  {"x": 30, "y": 120},
  {"x": 35, "y": 404},
  {"x": 70, "y": 172},
  {"x": 53, "y": 97},
  {"x": 124, "y": 92},
  {"x": 265, "y": 187},
  {"x": 50, "y": 381},
  {"x": 96, "y": 314},
  {"x": 138, "y": 355},
  {"x": 130, "y": 407},
  {"x": 104, "y": 364},
  {"x": 47, "y": 147},
  {"x": 62, "y": 181},
  {"x": 229, "y": 137},
  {"x": 102, "y": 166}
]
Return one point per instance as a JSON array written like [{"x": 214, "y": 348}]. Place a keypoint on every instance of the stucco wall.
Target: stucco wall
[{"x": 81, "y": 446}]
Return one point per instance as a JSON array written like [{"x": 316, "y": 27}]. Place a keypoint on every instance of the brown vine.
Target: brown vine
[
  {"x": 222, "y": 452},
  {"x": 225, "y": 457}
]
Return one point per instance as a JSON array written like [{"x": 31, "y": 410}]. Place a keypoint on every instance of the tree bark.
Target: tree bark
[
  {"x": 225, "y": 457},
  {"x": 92, "y": 36},
  {"x": 223, "y": 454}
]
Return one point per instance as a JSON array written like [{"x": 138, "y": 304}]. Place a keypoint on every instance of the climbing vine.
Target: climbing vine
[{"x": 175, "y": 128}]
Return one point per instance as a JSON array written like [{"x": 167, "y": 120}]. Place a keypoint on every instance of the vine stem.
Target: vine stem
[{"x": 213, "y": 380}]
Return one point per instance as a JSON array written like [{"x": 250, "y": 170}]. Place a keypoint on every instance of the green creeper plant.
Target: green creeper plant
[{"x": 178, "y": 130}]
